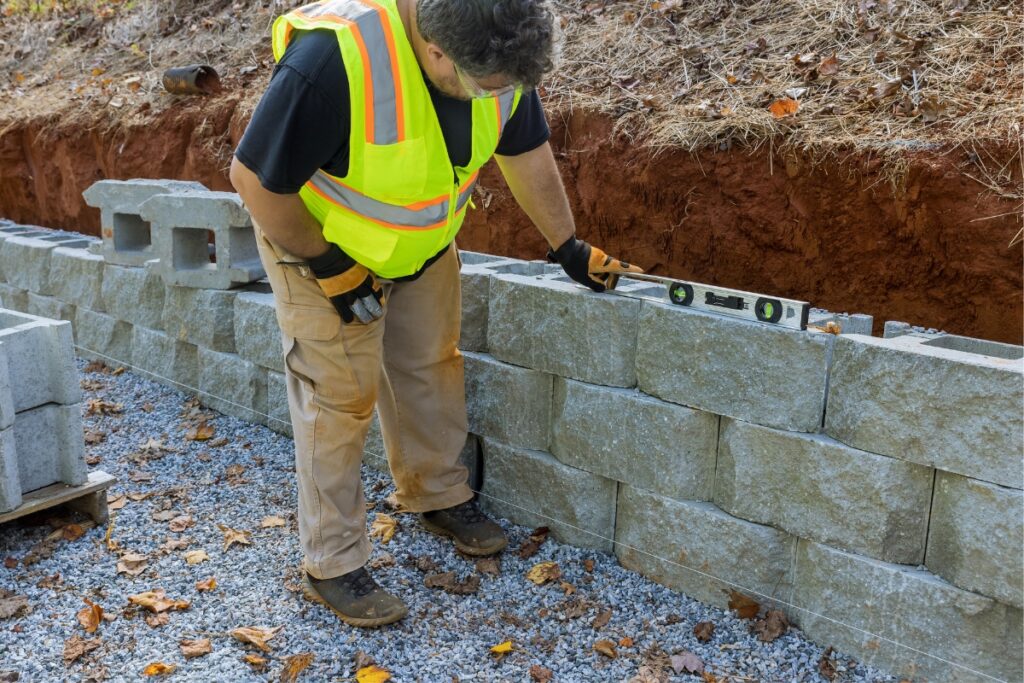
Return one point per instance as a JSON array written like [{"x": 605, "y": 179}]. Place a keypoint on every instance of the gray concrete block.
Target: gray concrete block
[
  {"x": 955, "y": 411},
  {"x": 635, "y": 439},
  {"x": 134, "y": 294},
  {"x": 976, "y": 537},
  {"x": 508, "y": 403},
  {"x": 849, "y": 323},
  {"x": 10, "y": 482},
  {"x": 76, "y": 277},
  {"x": 103, "y": 337},
  {"x": 50, "y": 446},
  {"x": 127, "y": 238},
  {"x": 257, "y": 333},
  {"x": 13, "y": 298},
  {"x": 532, "y": 488},
  {"x": 165, "y": 359},
  {"x": 817, "y": 488},
  {"x": 476, "y": 295},
  {"x": 476, "y": 258},
  {"x": 769, "y": 375},
  {"x": 25, "y": 262},
  {"x": 909, "y": 606},
  {"x": 6, "y": 393},
  {"x": 695, "y": 548},
  {"x": 232, "y": 385},
  {"x": 40, "y": 360},
  {"x": 50, "y": 307},
  {"x": 180, "y": 224},
  {"x": 563, "y": 329},
  {"x": 203, "y": 317},
  {"x": 278, "y": 417}
]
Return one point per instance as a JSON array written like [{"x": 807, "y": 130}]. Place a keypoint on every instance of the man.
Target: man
[{"x": 357, "y": 167}]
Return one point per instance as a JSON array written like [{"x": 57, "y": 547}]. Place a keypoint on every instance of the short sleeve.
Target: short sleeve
[{"x": 527, "y": 128}]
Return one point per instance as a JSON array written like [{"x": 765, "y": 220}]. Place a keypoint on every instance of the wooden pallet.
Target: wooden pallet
[{"x": 90, "y": 498}]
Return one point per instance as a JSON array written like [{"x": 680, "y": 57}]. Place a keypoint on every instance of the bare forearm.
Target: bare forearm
[
  {"x": 282, "y": 217},
  {"x": 537, "y": 186}
]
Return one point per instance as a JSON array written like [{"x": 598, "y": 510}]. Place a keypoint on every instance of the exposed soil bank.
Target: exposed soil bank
[{"x": 836, "y": 233}]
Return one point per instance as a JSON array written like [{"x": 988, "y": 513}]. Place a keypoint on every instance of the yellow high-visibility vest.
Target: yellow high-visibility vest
[{"x": 401, "y": 202}]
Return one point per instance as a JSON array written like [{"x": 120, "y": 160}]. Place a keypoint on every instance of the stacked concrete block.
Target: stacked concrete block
[
  {"x": 849, "y": 323},
  {"x": 204, "y": 317},
  {"x": 508, "y": 403},
  {"x": 164, "y": 358},
  {"x": 768, "y": 375},
  {"x": 25, "y": 262},
  {"x": 257, "y": 333},
  {"x": 232, "y": 385},
  {"x": 976, "y": 537},
  {"x": 133, "y": 294},
  {"x": 77, "y": 277},
  {"x": 907, "y": 398},
  {"x": 40, "y": 407},
  {"x": 127, "y": 237},
  {"x": 103, "y": 337},
  {"x": 696, "y": 548},
  {"x": 533, "y": 488},
  {"x": 13, "y": 298},
  {"x": 969, "y": 637},
  {"x": 817, "y": 488},
  {"x": 48, "y": 307},
  {"x": 562, "y": 329},
  {"x": 180, "y": 224},
  {"x": 624, "y": 435}
]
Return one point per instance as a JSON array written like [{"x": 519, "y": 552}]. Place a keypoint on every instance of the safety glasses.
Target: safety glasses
[{"x": 477, "y": 91}]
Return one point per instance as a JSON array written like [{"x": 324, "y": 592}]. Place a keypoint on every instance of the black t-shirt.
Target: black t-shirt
[{"x": 303, "y": 121}]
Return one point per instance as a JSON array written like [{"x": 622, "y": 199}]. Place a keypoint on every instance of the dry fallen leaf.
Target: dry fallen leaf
[
  {"x": 829, "y": 66},
  {"x": 159, "y": 669},
  {"x": 256, "y": 635},
  {"x": 73, "y": 532},
  {"x": 272, "y": 521},
  {"x": 602, "y": 619},
  {"x": 774, "y": 625},
  {"x": 132, "y": 564},
  {"x": 11, "y": 604},
  {"x": 206, "y": 585},
  {"x": 201, "y": 432},
  {"x": 293, "y": 666},
  {"x": 688, "y": 663},
  {"x": 704, "y": 630},
  {"x": 533, "y": 544},
  {"x": 606, "y": 648},
  {"x": 255, "y": 661},
  {"x": 179, "y": 524},
  {"x": 625, "y": 641},
  {"x": 157, "y": 601},
  {"x": 76, "y": 646},
  {"x": 164, "y": 515},
  {"x": 783, "y": 107},
  {"x": 117, "y": 503},
  {"x": 90, "y": 616},
  {"x": 543, "y": 572},
  {"x": 745, "y": 608},
  {"x": 541, "y": 674},
  {"x": 195, "y": 648},
  {"x": 196, "y": 556},
  {"x": 157, "y": 620},
  {"x": 588, "y": 565},
  {"x": 448, "y": 582},
  {"x": 383, "y": 527},
  {"x": 392, "y": 502},
  {"x": 372, "y": 674},
  {"x": 232, "y": 536},
  {"x": 501, "y": 649}
]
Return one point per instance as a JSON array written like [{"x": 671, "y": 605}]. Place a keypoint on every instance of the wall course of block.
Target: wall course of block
[
  {"x": 26, "y": 263},
  {"x": 102, "y": 337},
  {"x": 76, "y": 277},
  {"x": 134, "y": 294},
  {"x": 204, "y": 317},
  {"x": 232, "y": 385},
  {"x": 164, "y": 358},
  {"x": 257, "y": 333},
  {"x": 508, "y": 403},
  {"x": 13, "y": 298},
  {"x": 50, "y": 307}
]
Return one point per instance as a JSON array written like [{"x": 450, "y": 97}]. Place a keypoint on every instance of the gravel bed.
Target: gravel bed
[{"x": 446, "y": 637}]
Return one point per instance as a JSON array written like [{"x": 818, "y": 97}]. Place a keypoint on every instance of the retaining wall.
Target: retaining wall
[{"x": 874, "y": 482}]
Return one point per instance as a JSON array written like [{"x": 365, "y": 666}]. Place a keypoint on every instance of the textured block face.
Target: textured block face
[
  {"x": 475, "y": 302},
  {"x": 909, "y": 606},
  {"x": 563, "y": 329},
  {"x": 50, "y": 446},
  {"x": 955, "y": 411},
  {"x": 50, "y": 307},
  {"x": 257, "y": 333},
  {"x": 532, "y": 488},
  {"x": 279, "y": 418},
  {"x": 231, "y": 385},
  {"x": 635, "y": 439},
  {"x": 6, "y": 395},
  {"x": 103, "y": 337},
  {"x": 134, "y": 294},
  {"x": 40, "y": 360},
  {"x": 754, "y": 372},
  {"x": 167, "y": 359},
  {"x": 508, "y": 403},
  {"x": 25, "y": 262},
  {"x": 203, "y": 317},
  {"x": 13, "y": 298},
  {"x": 704, "y": 550},
  {"x": 976, "y": 538},
  {"x": 10, "y": 482},
  {"x": 817, "y": 488},
  {"x": 77, "y": 277}
]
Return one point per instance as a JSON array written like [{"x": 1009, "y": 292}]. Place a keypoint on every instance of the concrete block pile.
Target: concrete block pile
[{"x": 873, "y": 482}]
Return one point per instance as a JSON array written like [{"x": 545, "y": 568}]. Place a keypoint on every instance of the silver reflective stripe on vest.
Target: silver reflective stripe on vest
[
  {"x": 506, "y": 100},
  {"x": 368, "y": 20},
  {"x": 426, "y": 217}
]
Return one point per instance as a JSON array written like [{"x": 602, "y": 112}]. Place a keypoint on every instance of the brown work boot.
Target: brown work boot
[
  {"x": 356, "y": 599},
  {"x": 474, "y": 532}
]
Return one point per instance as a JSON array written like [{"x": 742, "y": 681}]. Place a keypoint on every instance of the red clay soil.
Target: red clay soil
[{"x": 834, "y": 233}]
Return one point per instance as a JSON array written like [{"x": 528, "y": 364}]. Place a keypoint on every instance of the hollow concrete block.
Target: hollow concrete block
[
  {"x": 26, "y": 263},
  {"x": 204, "y": 317},
  {"x": 508, "y": 403},
  {"x": 632, "y": 438},
  {"x": 166, "y": 359},
  {"x": 134, "y": 294},
  {"x": 127, "y": 237},
  {"x": 50, "y": 446},
  {"x": 10, "y": 482},
  {"x": 532, "y": 488},
  {"x": 40, "y": 360},
  {"x": 817, "y": 488},
  {"x": 976, "y": 537},
  {"x": 949, "y": 409},
  {"x": 76, "y": 277},
  {"x": 563, "y": 329},
  {"x": 769, "y": 375},
  {"x": 232, "y": 386},
  {"x": 6, "y": 393},
  {"x": 180, "y": 224},
  {"x": 103, "y": 337},
  {"x": 278, "y": 417},
  {"x": 257, "y": 333},
  {"x": 964, "y": 632},
  {"x": 476, "y": 289}
]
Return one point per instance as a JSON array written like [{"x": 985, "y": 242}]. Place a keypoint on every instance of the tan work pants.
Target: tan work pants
[{"x": 407, "y": 363}]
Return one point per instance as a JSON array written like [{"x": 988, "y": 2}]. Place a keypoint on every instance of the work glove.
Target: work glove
[
  {"x": 589, "y": 265},
  {"x": 350, "y": 286}
]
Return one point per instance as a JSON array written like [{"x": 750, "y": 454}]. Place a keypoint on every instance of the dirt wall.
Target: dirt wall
[{"x": 932, "y": 251}]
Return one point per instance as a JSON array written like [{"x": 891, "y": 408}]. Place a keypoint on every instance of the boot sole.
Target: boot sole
[
  {"x": 462, "y": 547},
  {"x": 313, "y": 596}
]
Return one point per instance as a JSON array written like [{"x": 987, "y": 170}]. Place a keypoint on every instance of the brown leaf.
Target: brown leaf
[
  {"x": 132, "y": 564},
  {"x": 602, "y": 619},
  {"x": 392, "y": 502},
  {"x": 541, "y": 674},
  {"x": 383, "y": 527},
  {"x": 625, "y": 641},
  {"x": 11, "y": 605},
  {"x": 201, "y": 432},
  {"x": 255, "y": 661},
  {"x": 450, "y": 584},
  {"x": 195, "y": 648},
  {"x": 745, "y": 608},
  {"x": 931, "y": 109},
  {"x": 588, "y": 565},
  {"x": 164, "y": 515},
  {"x": 543, "y": 572},
  {"x": 272, "y": 521},
  {"x": 117, "y": 503},
  {"x": 293, "y": 666},
  {"x": 784, "y": 107},
  {"x": 159, "y": 669},
  {"x": 773, "y": 625},
  {"x": 256, "y": 635},
  {"x": 76, "y": 646},
  {"x": 179, "y": 524},
  {"x": 880, "y": 91},
  {"x": 827, "y": 665},
  {"x": 232, "y": 536},
  {"x": 10, "y": 562},
  {"x": 529, "y": 548},
  {"x": 829, "y": 66},
  {"x": 157, "y": 601},
  {"x": 704, "y": 630},
  {"x": 382, "y": 560},
  {"x": 687, "y": 662},
  {"x": 73, "y": 532},
  {"x": 425, "y": 563},
  {"x": 99, "y": 407},
  {"x": 158, "y": 620},
  {"x": 489, "y": 565},
  {"x": 196, "y": 556},
  {"x": 90, "y": 616},
  {"x": 606, "y": 648},
  {"x": 94, "y": 436},
  {"x": 206, "y": 585},
  {"x": 172, "y": 544},
  {"x": 140, "y": 476}
]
